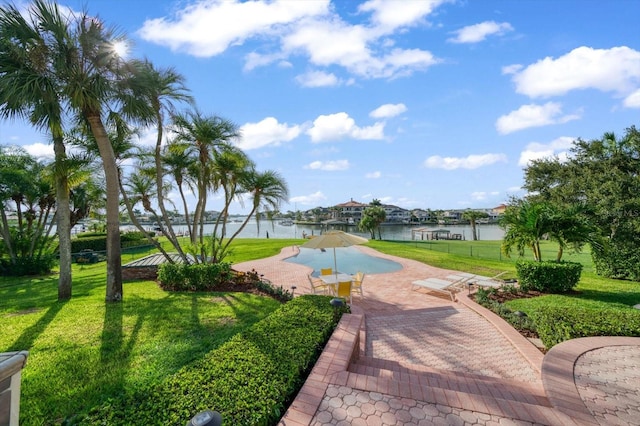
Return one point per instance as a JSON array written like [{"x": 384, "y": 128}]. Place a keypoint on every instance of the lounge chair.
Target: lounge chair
[
  {"x": 344, "y": 290},
  {"x": 448, "y": 287},
  {"x": 357, "y": 283},
  {"x": 318, "y": 287},
  {"x": 494, "y": 281}
]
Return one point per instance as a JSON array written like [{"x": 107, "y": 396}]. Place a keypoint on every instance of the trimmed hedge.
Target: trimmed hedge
[
  {"x": 557, "y": 325},
  {"x": 199, "y": 277},
  {"x": 98, "y": 242},
  {"x": 250, "y": 379},
  {"x": 548, "y": 276}
]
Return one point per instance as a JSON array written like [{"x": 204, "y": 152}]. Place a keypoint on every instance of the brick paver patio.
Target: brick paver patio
[{"x": 407, "y": 357}]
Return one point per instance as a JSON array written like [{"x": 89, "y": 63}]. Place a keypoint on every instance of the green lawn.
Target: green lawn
[{"x": 83, "y": 351}]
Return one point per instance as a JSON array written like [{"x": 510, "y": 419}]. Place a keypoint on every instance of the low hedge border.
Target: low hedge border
[
  {"x": 556, "y": 325},
  {"x": 250, "y": 379},
  {"x": 548, "y": 277}
]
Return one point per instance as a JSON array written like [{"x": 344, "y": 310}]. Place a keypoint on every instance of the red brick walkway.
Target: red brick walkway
[{"x": 408, "y": 357}]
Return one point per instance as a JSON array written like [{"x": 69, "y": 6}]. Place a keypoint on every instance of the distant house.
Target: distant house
[
  {"x": 396, "y": 214},
  {"x": 350, "y": 212}
]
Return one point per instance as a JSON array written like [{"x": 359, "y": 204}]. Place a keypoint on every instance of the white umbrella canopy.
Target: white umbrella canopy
[{"x": 333, "y": 239}]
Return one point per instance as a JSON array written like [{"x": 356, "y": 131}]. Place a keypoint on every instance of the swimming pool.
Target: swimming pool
[{"x": 350, "y": 261}]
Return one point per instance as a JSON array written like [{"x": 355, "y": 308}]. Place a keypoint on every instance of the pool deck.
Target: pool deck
[{"x": 405, "y": 357}]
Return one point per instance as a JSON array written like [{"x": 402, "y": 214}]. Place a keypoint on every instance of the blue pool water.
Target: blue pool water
[{"x": 350, "y": 261}]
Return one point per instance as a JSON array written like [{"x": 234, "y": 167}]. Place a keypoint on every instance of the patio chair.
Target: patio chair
[
  {"x": 326, "y": 271},
  {"x": 344, "y": 290},
  {"x": 318, "y": 287},
  {"x": 357, "y": 283}
]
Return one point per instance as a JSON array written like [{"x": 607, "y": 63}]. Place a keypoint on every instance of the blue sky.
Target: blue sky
[{"x": 422, "y": 104}]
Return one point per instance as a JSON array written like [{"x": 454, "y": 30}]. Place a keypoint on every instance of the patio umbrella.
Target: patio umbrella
[{"x": 333, "y": 239}]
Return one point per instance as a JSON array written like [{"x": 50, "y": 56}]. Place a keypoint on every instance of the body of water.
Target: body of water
[{"x": 389, "y": 232}]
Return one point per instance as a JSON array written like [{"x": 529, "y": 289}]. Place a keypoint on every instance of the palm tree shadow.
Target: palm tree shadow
[{"x": 30, "y": 334}]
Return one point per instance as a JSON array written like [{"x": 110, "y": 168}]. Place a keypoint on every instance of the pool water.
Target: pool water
[{"x": 350, "y": 260}]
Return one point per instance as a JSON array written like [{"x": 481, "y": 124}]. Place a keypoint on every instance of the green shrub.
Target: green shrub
[
  {"x": 548, "y": 277},
  {"x": 95, "y": 243},
  {"x": 37, "y": 265},
  {"x": 250, "y": 379},
  {"x": 555, "y": 325},
  {"x": 199, "y": 277}
]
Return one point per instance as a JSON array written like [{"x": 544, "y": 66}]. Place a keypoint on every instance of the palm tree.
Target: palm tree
[
  {"x": 203, "y": 136},
  {"x": 472, "y": 216},
  {"x": 178, "y": 164},
  {"x": 525, "y": 223},
  {"x": 29, "y": 88},
  {"x": 228, "y": 169},
  {"x": 266, "y": 190},
  {"x": 163, "y": 88}
]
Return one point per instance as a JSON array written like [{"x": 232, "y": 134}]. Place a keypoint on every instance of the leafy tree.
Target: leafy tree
[
  {"x": 600, "y": 177},
  {"x": 472, "y": 216}
]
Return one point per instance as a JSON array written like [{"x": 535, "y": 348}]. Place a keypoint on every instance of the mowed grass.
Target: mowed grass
[
  {"x": 84, "y": 350},
  {"x": 592, "y": 292}
]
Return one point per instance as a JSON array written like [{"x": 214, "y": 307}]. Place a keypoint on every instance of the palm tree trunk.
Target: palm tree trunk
[
  {"x": 474, "y": 235},
  {"x": 160, "y": 195},
  {"x": 63, "y": 220},
  {"x": 114, "y": 256}
]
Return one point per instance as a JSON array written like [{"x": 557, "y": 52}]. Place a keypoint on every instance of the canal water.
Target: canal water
[{"x": 274, "y": 229}]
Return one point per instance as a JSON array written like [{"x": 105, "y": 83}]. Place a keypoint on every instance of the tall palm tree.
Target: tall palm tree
[
  {"x": 29, "y": 88},
  {"x": 163, "y": 87},
  {"x": 203, "y": 136},
  {"x": 95, "y": 81}
]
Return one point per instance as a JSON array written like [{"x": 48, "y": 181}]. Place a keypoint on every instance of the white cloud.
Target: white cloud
[
  {"x": 511, "y": 69},
  {"x": 633, "y": 100},
  {"x": 339, "y": 125},
  {"x": 40, "y": 150},
  {"x": 482, "y": 195},
  {"x": 479, "y": 32},
  {"x": 470, "y": 162},
  {"x": 311, "y": 29},
  {"x": 317, "y": 79},
  {"x": 533, "y": 115},
  {"x": 373, "y": 175},
  {"x": 208, "y": 28},
  {"x": 329, "y": 166},
  {"x": 535, "y": 151},
  {"x": 608, "y": 70},
  {"x": 314, "y": 199},
  {"x": 394, "y": 14},
  {"x": 267, "y": 132},
  {"x": 388, "y": 111}
]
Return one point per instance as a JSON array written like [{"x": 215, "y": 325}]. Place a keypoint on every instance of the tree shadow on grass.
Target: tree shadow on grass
[{"x": 30, "y": 334}]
